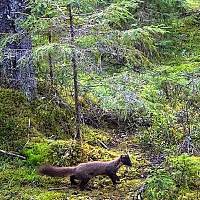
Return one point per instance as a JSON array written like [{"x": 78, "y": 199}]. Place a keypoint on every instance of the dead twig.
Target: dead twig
[
  {"x": 103, "y": 144},
  {"x": 12, "y": 154}
]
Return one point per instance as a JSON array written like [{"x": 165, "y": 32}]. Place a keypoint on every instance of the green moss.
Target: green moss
[
  {"x": 36, "y": 153},
  {"x": 92, "y": 153},
  {"x": 64, "y": 152},
  {"x": 94, "y": 136},
  {"x": 57, "y": 152},
  {"x": 28, "y": 192},
  {"x": 20, "y": 176},
  {"x": 14, "y": 119},
  {"x": 193, "y": 4},
  {"x": 23, "y": 182},
  {"x": 52, "y": 120},
  {"x": 188, "y": 195},
  {"x": 20, "y": 120}
]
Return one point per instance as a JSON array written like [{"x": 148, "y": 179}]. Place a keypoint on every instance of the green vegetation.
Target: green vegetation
[
  {"x": 160, "y": 186},
  {"x": 139, "y": 68},
  {"x": 20, "y": 121}
]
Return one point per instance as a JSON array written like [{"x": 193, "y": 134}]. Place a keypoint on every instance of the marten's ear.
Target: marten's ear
[{"x": 122, "y": 157}]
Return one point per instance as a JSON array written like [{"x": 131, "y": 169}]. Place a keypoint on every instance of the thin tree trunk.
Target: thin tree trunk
[
  {"x": 16, "y": 67},
  {"x": 50, "y": 61},
  {"x": 75, "y": 74}
]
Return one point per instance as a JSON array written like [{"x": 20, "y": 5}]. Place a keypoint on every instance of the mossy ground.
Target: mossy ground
[
  {"x": 24, "y": 183},
  {"x": 19, "y": 180},
  {"x": 35, "y": 131}
]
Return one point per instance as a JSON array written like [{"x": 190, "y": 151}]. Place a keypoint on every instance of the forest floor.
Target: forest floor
[{"x": 21, "y": 182}]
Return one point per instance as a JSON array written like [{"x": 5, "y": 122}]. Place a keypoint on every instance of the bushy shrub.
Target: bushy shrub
[
  {"x": 166, "y": 8},
  {"x": 185, "y": 170},
  {"x": 160, "y": 186}
]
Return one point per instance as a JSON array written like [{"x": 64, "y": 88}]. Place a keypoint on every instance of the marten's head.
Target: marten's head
[{"x": 125, "y": 159}]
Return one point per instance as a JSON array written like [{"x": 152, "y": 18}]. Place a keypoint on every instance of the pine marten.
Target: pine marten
[{"x": 85, "y": 171}]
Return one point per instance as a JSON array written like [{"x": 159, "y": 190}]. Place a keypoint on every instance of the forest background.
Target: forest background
[{"x": 93, "y": 79}]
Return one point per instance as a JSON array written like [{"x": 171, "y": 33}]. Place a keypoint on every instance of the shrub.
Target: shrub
[
  {"x": 185, "y": 170},
  {"x": 160, "y": 186}
]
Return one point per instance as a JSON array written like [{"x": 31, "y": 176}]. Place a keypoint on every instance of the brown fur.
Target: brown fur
[{"x": 85, "y": 171}]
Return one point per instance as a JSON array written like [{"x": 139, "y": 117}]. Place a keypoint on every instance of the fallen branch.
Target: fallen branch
[{"x": 12, "y": 154}]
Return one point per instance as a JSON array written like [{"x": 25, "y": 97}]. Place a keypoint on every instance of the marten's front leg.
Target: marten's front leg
[{"x": 114, "y": 178}]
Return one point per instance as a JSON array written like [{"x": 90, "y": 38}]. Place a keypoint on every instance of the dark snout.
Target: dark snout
[
  {"x": 130, "y": 164},
  {"x": 125, "y": 159}
]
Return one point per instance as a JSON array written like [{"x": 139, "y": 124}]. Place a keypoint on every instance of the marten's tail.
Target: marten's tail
[{"x": 56, "y": 171}]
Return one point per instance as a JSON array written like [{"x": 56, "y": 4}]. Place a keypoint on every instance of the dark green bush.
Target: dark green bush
[{"x": 168, "y": 8}]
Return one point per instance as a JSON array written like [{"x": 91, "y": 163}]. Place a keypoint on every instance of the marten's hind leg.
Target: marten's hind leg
[
  {"x": 84, "y": 182},
  {"x": 72, "y": 180}
]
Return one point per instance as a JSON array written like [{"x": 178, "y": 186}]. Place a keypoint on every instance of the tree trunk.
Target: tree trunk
[
  {"x": 16, "y": 67},
  {"x": 50, "y": 61},
  {"x": 75, "y": 75}
]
